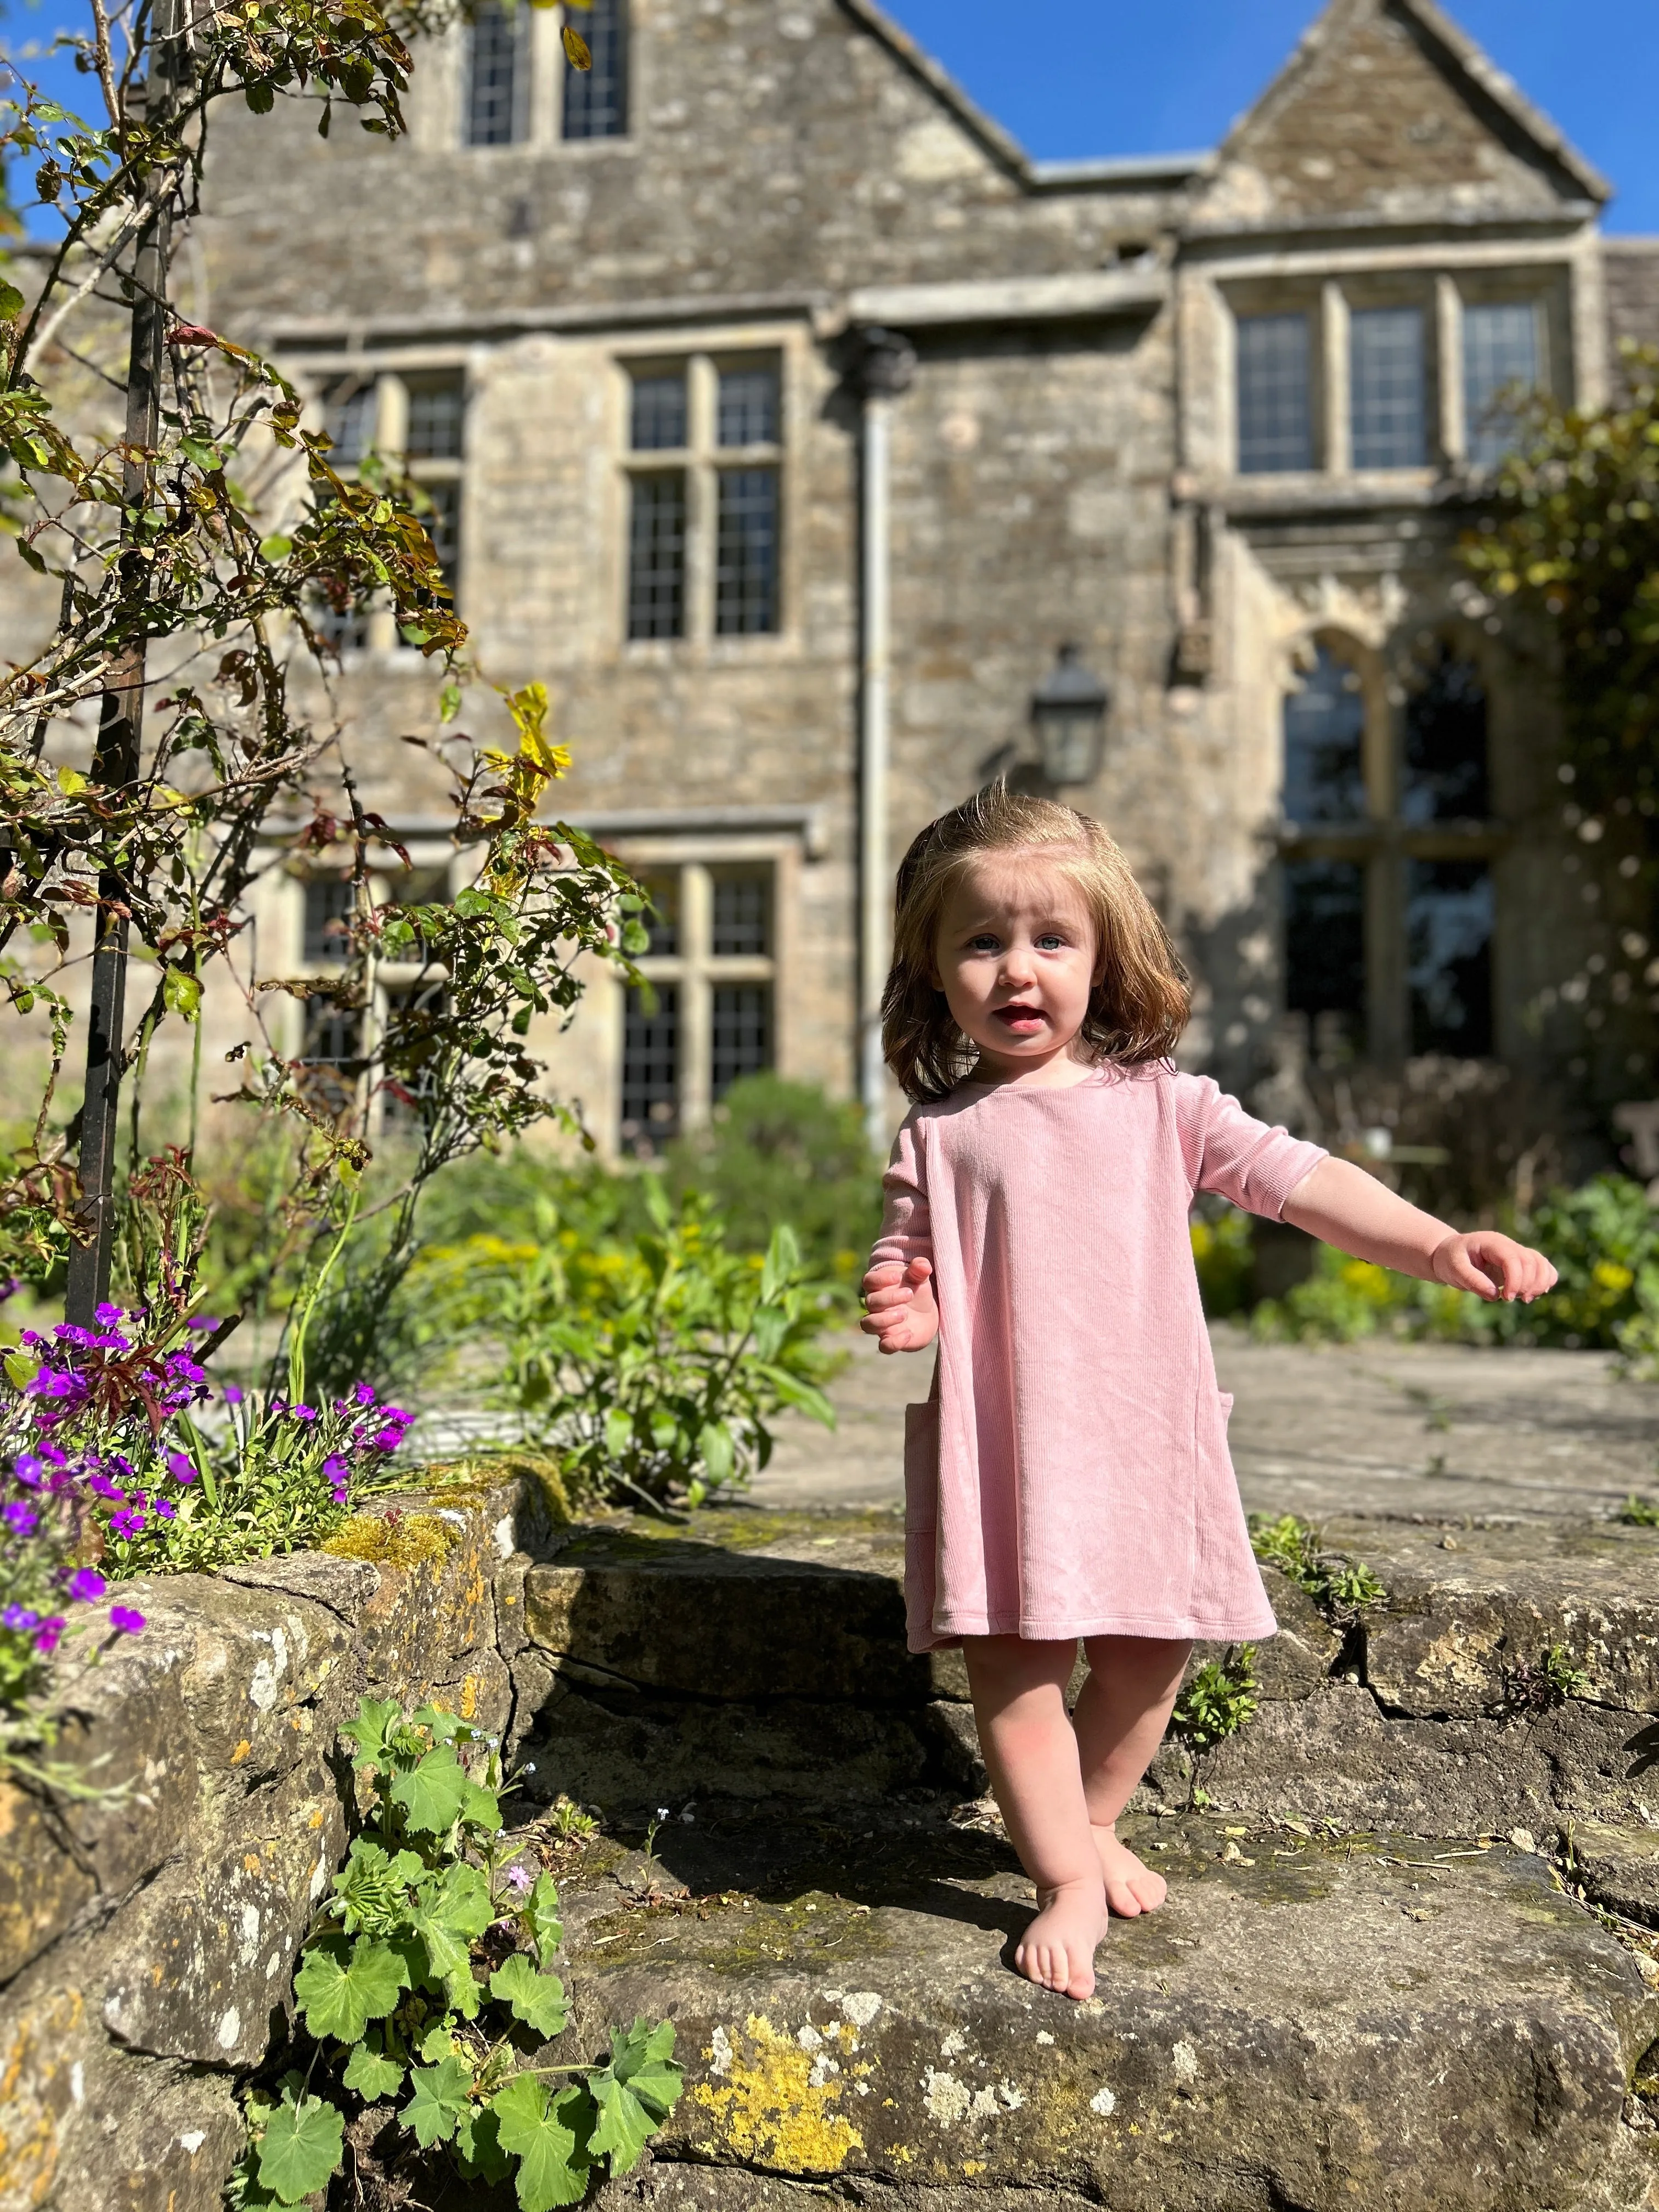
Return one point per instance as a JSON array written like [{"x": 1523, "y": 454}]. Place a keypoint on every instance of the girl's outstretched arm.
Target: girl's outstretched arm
[{"x": 1341, "y": 1205}]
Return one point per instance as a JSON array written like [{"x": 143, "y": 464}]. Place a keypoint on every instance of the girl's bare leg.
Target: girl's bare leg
[
  {"x": 1031, "y": 1753},
  {"x": 1120, "y": 1721}
]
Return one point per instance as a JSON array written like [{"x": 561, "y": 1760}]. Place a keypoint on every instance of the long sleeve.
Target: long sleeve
[
  {"x": 1230, "y": 1152},
  {"x": 907, "y": 1229}
]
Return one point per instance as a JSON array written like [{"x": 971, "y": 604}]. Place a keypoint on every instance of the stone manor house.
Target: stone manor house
[{"x": 826, "y": 456}]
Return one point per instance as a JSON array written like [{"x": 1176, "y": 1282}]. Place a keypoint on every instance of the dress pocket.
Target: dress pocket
[{"x": 920, "y": 1521}]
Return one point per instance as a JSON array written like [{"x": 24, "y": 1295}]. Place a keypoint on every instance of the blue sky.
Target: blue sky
[{"x": 1072, "y": 78}]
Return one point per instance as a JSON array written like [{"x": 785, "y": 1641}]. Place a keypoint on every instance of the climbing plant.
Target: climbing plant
[{"x": 199, "y": 538}]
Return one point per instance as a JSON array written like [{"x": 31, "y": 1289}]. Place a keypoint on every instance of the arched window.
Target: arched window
[
  {"x": 1325, "y": 743},
  {"x": 595, "y": 99},
  {"x": 1445, "y": 777},
  {"x": 498, "y": 76}
]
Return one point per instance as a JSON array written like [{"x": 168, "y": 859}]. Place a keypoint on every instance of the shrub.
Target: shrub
[
  {"x": 651, "y": 1364},
  {"x": 1339, "y": 1586},
  {"x": 1221, "y": 1254},
  {"x": 429, "y": 1974},
  {"x": 1217, "y": 1702}
]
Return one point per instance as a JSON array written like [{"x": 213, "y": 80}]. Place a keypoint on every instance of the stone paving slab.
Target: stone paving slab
[
  {"x": 1449, "y": 1431},
  {"x": 1307, "y": 2023}
]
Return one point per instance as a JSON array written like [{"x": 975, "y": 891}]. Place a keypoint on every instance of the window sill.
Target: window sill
[
  {"x": 759, "y": 649},
  {"x": 1320, "y": 492}
]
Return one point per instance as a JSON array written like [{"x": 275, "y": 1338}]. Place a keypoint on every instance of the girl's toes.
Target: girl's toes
[
  {"x": 1151, "y": 1889},
  {"x": 1121, "y": 1898}
]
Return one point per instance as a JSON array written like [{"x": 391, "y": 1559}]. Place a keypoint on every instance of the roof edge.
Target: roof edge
[
  {"x": 1002, "y": 146},
  {"x": 1503, "y": 93}
]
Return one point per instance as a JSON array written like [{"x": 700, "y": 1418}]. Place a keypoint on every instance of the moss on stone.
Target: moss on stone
[
  {"x": 741, "y": 1936},
  {"x": 394, "y": 1540}
]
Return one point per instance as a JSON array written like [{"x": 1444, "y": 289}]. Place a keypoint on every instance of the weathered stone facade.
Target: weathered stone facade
[{"x": 1065, "y": 460}]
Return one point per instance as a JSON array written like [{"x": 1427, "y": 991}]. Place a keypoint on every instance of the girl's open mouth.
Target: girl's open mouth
[{"x": 1024, "y": 1020}]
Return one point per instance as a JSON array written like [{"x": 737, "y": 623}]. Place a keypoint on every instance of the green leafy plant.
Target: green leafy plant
[
  {"x": 652, "y": 1365},
  {"x": 428, "y": 1987},
  {"x": 1220, "y": 1697},
  {"x": 1638, "y": 1512},
  {"x": 1340, "y": 1587},
  {"x": 1545, "y": 1683},
  {"x": 1221, "y": 1244}
]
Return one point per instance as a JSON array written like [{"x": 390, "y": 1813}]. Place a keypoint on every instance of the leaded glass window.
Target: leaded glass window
[
  {"x": 1448, "y": 930},
  {"x": 595, "y": 99},
  {"x": 656, "y": 556},
  {"x": 497, "y": 85},
  {"x": 651, "y": 1065},
  {"x": 1275, "y": 415},
  {"x": 748, "y": 407},
  {"x": 1324, "y": 744},
  {"x": 1445, "y": 763},
  {"x": 1386, "y": 388},
  {"x": 746, "y": 571},
  {"x": 1501, "y": 362}
]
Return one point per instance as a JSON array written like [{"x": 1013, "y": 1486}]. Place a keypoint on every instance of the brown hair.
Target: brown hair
[{"x": 1142, "y": 997}]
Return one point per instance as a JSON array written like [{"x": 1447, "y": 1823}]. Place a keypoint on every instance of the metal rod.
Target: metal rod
[{"x": 117, "y": 761}]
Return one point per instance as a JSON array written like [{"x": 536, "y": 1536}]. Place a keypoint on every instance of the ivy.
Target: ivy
[{"x": 426, "y": 1991}]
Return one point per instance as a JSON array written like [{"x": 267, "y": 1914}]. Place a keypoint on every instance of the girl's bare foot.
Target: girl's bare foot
[
  {"x": 1131, "y": 1888},
  {"x": 1057, "y": 1950}
]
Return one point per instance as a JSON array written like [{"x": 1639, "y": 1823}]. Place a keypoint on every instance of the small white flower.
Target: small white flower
[
  {"x": 531, "y": 1768},
  {"x": 662, "y": 1812}
]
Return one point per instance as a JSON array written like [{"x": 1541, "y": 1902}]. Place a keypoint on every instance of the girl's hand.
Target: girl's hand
[
  {"x": 899, "y": 1309},
  {"x": 1494, "y": 1267}
]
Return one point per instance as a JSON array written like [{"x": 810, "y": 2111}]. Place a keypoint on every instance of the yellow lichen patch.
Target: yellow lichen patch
[
  {"x": 469, "y": 1697},
  {"x": 770, "y": 2110},
  {"x": 392, "y": 1539},
  {"x": 242, "y": 1751}
]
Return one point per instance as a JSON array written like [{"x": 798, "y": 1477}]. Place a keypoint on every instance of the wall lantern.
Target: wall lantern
[{"x": 1068, "y": 714}]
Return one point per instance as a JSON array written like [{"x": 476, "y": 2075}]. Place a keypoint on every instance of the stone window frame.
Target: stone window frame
[
  {"x": 696, "y": 969},
  {"x": 282, "y": 911},
  {"x": 443, "y": 123},
  {"x": 1330, "y": 297},
  {"x": 390, "y": 432},
  {"x": 1384, "y": 842},
  {"x": 700, "y": 461}
]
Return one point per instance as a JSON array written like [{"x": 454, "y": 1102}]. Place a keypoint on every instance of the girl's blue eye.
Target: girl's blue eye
[
  {"x": 985, "y": 944},
  {"x": 1050, "y": 941}
]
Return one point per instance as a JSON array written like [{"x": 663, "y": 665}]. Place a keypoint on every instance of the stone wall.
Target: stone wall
[{"x": 148, "y": 1937}]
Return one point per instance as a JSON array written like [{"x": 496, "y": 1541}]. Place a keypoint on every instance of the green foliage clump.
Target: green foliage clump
[
  {"x": 650, "y": 1365},
  {"x": 1341, "y": 1587},
  {"x": 1548, "y": 1683},
  {"x": 1638, "y": 1512},
  {"x": 1221, "y": 1254},
  {"x": 429, "y": 1979},
  {"x": 1603, "y": 1239},
  {"x": 1222, "y": 1695}
]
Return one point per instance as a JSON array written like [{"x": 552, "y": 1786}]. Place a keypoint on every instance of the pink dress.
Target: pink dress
[{"x": 1069, "y": 1476}]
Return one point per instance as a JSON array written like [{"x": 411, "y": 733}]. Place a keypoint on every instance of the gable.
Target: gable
[{"x": 1386, "y": 111}]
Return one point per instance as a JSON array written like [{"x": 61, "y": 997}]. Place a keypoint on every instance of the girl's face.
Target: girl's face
[{"x": 1016, "y": 958}]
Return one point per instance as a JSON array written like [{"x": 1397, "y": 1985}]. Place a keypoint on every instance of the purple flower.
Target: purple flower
[
  {"x": 305, "y": 1413},
  {"x": 125, "y": 1618},
  {"x": 11, "y": 1287},
  {"x": 50, "y": 1452},
  {"x": 23, "y": 1519},
  {"x": 86, "y": 1584},
  {"x": 337, "y": 1466},
  {"x": 388, "y": 1440},
  {"x": 130, "y": 1522},
  {"x": 26, "y": 1468},
  {"x": 112, "y": 1340},
  {"x": 18, "y": 1616},
  {"x": 520, "y": 1881},
  {"x": 49, "y": 1631},
  {"x": 205, "y": 1321},
  {"x": 181, "y": 1365},
  {"x": 101, "y": 1487},
  {"x": 165, "y": 1508},
  {"x": 108, "y": 1314},
  {"x": 363, "y": 1394},
  {"x": 69, "y": 1331},
  {"x": 181, "y": 1466},
  {"x": 33, "y": 1338},
  {"x": 232, "y": 1396}
]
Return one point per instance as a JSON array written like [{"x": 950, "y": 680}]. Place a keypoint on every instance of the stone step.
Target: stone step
[
  {"x": 1507, "y": 1683},
  {"x": 1308, "y": 2022}
]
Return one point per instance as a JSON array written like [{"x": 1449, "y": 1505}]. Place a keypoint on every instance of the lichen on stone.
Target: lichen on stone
[{"x": 772, "y": 2103}]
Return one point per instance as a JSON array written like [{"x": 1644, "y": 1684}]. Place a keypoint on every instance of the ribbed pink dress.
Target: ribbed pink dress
[{"x": 1070, "y": 1475}]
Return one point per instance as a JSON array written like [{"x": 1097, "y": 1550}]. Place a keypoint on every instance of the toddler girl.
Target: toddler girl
[{"x": 1069, "y": 1475}]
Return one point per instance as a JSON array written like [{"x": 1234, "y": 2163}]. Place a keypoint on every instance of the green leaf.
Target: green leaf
[
  {"x": 260, "y": 98},
  {"x": 541, "y": 1913},
  {"x": 481, "y": 1808},
  {"x": 442, "y": 2093},
  {"x": 782, "y": 1261},
  {"x": 371, "y": 2073},
  {"x": 375, "y": 1716},
  {"x": 440, "y": 1724},
  {"x": 619, "y": 1431},
  {"x": 538, "y": 1999},
  {"x": 276, "y": 547},
  {"x": 11, "y": 302},
  {"x": 181, "y": 993},
  {"x": 461, "y": 1901},
  {"x": 478, "y": 2146},
  {"x": 549, "y": 2140},
  {"x": 301, "y": 2148},
  {"x": 431, "y": 1794},
  {"x": 373, "y": 1885},
  {"x": 437, "y": 2042},
  {"x": 714, "y": 1442},
  {"x": 635, "y": 2093},
  {"x": 449, "y": 702},
  {"x": 345, "y": 1983}
]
